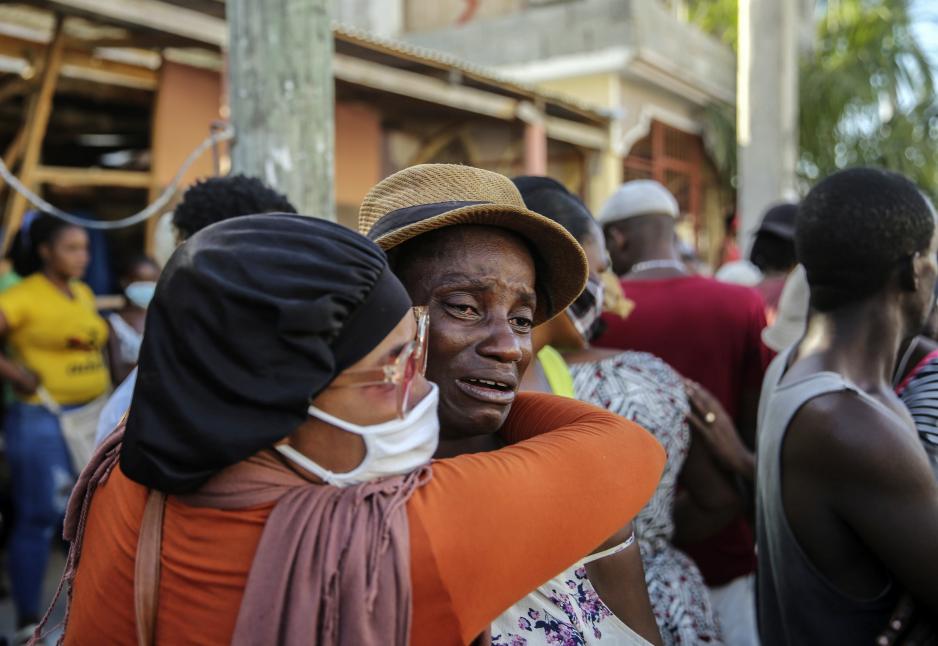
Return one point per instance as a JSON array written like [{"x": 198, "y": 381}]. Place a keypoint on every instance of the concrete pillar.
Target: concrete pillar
[
  {"x": 767, "y": 107},
  {"x": 282, "y": 98},
  {"x": 606, "y": 175}
]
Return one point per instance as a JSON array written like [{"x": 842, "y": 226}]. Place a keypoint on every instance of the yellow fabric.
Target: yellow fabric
[
  {"x": 58, "y": 338},
  {"x": 557, "y": 372}
]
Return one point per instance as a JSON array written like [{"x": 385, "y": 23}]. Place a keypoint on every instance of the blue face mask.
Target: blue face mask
[{"x": 140, "y": 293}]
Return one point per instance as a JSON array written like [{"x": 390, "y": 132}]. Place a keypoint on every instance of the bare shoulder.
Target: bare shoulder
[{"x": 844, "y": 438}]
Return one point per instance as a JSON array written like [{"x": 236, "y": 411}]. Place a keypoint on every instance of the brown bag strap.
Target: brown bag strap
[{"x": 147, "y": 568}]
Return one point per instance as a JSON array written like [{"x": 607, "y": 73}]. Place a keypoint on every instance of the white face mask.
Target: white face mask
[
  {"x": 140, "y": 293},
  {"x": 392, "y": 448}
]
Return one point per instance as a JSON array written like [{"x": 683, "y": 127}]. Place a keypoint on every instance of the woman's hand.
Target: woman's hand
[
  {"x": 708, "y": 418},
  {"x": 26, "y": 383}
]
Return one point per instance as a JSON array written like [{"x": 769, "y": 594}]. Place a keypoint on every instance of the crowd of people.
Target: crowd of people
[{"x": 487, "y": 417}]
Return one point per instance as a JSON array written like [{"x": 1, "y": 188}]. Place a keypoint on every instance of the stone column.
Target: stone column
[
  {"x": 767, "y": 108},
  {"x": 282, "y": 98}
]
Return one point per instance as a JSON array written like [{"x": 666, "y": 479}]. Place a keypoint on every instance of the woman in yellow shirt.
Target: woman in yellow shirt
[{"x": 55, "y": 339}]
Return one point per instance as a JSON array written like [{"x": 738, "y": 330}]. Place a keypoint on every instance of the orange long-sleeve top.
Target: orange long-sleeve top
[{"x": 486, "y": 530}]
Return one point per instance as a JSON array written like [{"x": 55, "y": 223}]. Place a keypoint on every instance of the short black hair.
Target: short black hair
[
  {"x": 855, "y": 228},
  {"x": 220, "y": 198},
  {"x": 130, "y": 264},
  {"x": 24, "y": 250},
  {"x": 772, "y": 253},
  {"x": 551, "y": 199}
]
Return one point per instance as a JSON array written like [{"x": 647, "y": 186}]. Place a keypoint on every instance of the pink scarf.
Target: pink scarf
[{"x": 332, "y": 566}]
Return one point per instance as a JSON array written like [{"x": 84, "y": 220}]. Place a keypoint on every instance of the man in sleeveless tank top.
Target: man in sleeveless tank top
[{"x": 847, "y": 507}]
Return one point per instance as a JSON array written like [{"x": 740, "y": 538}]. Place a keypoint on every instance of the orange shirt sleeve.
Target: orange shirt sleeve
[{"x": 499, "y": 524}]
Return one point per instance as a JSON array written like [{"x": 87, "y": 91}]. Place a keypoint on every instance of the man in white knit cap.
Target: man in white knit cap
[{"x": 710, "y": 332}]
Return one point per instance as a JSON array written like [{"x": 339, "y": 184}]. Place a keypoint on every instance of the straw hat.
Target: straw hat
[{"x": 427, "y": 197}]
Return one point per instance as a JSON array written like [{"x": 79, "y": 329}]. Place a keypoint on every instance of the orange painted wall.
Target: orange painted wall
[
  {"x": 188, "y": 101},
  {"x": 358, "y": 140}
]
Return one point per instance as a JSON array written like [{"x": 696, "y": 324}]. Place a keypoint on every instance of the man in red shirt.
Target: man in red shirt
[{"x": 710, "y": 332}]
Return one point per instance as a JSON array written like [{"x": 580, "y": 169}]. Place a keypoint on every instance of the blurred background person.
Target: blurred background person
[
  {"x": 56, "y": 340},
  {"x": 729, "y": 249},
  {"x": 792, "y": 316},
  {"x": 916, "y": 381},
  {"x": 773, "y": 253},
  {"x": 138, "y": 283}
]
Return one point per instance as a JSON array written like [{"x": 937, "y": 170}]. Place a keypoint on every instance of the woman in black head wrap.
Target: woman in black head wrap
[
  {"x": 285, "y": 332},
  {"x": 281, "y": 354}
]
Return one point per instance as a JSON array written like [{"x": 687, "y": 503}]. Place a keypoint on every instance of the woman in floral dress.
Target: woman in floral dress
[
  {"x": 644, "y": 389},
  {"x": 567, "y": 610}
]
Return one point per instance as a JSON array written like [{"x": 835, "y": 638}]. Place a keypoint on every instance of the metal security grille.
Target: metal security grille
[{"x": 675, "y": 159}]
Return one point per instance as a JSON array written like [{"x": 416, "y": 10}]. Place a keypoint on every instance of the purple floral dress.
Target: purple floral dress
[{"x": 565, "y": 611}]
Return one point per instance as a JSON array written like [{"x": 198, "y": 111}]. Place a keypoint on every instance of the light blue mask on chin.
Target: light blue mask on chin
[{"x": 140, "y": 293}]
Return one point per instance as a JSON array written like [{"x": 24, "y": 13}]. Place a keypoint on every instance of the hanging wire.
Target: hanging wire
[{"x": 225, "y": 134}]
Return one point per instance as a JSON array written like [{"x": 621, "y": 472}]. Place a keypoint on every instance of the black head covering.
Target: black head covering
[
  {"x": 780, "y": 220},
  {"x": 252, "y": 318},
  {"x": 551, "y": 199}
]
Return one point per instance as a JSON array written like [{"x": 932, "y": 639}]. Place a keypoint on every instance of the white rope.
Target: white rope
[{"x": 158, "y": 204}]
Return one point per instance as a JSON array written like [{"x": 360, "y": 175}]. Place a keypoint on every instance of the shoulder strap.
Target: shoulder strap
[
  {"x": 615, "y": 549},
  {"x": 147, "y": 568}
]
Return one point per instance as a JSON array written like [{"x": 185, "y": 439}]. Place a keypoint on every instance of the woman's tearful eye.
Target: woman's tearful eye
[
  {"x": 522, "y": 323},
  {"x": 462, "y": 310}
]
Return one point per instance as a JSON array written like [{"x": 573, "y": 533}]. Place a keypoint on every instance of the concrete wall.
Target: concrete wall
[
  {"x": 642, "y": 29},
  {"x": 537, "y": 33},
  {"x": 602, "y": 90},
  {"x": 424, "y": 15},
  {"x": 380, "y": 17}
]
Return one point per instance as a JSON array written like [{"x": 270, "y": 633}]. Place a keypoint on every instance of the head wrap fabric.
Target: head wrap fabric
[{"x": 252, "y": 318}]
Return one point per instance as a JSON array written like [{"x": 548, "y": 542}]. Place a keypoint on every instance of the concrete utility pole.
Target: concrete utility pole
[
  {"x": 767, "y": 107},
  {"x": 282, "y": 98}
]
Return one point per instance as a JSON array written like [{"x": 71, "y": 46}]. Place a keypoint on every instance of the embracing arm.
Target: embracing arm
[{"x": 501, "y": 523}]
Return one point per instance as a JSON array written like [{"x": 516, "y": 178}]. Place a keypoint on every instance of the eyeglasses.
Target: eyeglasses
[{"x": 411, "y": 361}]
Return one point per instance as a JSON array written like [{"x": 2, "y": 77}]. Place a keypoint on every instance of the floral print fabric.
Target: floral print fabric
[
  {"x": 644, "y": 389},
  {"x": 566, "y": 611}
]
